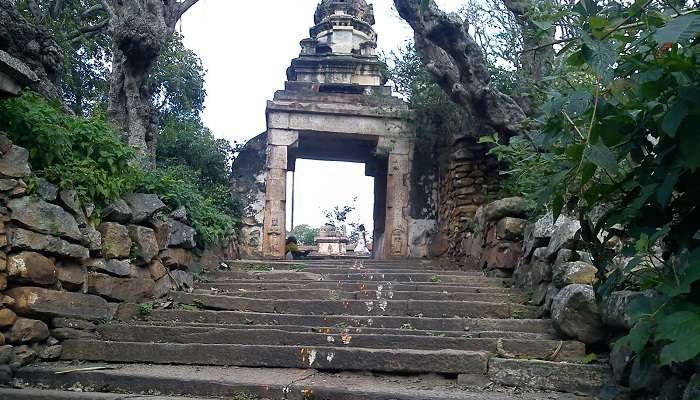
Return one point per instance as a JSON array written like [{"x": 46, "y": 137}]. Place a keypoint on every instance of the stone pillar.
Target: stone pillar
[
  {"x": 397, "y": 198},
  {"x": 274, "y": 226}
]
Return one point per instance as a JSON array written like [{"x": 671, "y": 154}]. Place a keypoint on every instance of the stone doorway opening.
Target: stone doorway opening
[{"x": 315, "y": 187}]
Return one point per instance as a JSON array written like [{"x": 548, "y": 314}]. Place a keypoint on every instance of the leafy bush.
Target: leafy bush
[
  {"x": 73, "y": 152},
  {"x": 211, "y": 214},
  {"x": 190, "y": 143},
  {"x": 630, "y": 142},
  {"x": 84, "y": 154}
]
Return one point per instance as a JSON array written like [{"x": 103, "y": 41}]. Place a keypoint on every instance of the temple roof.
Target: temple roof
[{"x": 356, "y": 8}]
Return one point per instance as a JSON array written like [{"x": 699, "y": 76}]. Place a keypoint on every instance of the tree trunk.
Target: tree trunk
[
  {"x": 140, "y": 30},
  {"x": 34, "y": 46},
  {"x": 456, "y": 62}
]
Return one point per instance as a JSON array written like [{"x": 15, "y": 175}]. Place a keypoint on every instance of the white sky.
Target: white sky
[{"x": 246, "y": 47}]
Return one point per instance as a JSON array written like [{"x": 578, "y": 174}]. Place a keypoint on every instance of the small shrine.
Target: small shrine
[{"x": 332, "y": 241}]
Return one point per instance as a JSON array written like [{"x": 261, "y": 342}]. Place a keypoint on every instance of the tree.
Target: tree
[
  {"x": 305, "y": 234},
  {"x": 137, "y": 33}
]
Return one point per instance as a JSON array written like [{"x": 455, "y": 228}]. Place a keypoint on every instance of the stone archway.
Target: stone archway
[{"x": 340, "y": 127}]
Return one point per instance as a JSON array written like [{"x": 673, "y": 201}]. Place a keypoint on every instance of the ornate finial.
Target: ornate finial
[{"x": 356, "y": 8}]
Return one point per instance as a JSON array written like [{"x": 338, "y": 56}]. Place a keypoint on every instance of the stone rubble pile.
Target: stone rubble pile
[{"x": 64, "y": 267}]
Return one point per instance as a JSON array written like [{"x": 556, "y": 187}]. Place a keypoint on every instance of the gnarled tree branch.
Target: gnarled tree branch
[{"x": 456, "y": 62}]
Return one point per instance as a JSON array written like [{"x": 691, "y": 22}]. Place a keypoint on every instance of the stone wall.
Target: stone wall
[
  {"x": 64, "y": 268},
  {"x": 547, "y": 259},
  {"x": 248, "y": 184},
  {"x": 467, "y": 181}
]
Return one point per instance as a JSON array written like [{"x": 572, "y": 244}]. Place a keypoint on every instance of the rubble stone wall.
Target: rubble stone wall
[{"x": 64, "y": 267}]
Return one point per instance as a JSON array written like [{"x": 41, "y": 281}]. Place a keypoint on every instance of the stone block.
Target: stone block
[
  {"x": 118, "y": 268},
  {"x": 143, "y": 206},
  {"x": 71, "y": 333},
  {"x": 571, "y": 273},
  {"x": 116, "y": 242},
  {"x": 162, "y": 287},
  {"x": 73, "y": 323},
  {"x": 6, "y": 354},
  {"x": 7, "y": 317},
  {"x": 131, "y": 290},
  {"x": 26, "y": 330},
  {"x": 51, "y": 303},
  {"x": 7, "y": 185},
  {"x": 15, "y": 163},
  {"x": 182, "y": 235},
  {"x": 509, "y": 207},
  {"x": 614, "y": 309},
  {"x": 3, "y": 282},
  {"x": 575, "y": 314},
  {"x": 568, "y": 255},
  {"x": 42, "y": 217},
  {"x": 24, "y": 355},
  {"x": 510, "y": 229},
  {"x": 69, "y": 200},
  {"x": 46, "y": 190},
  {"x": 27, "y": 240},
  {"x": 32, "y": 267},
  {"x": 503, "y": 255},
  {"x": 145, "y": 243},
  {"x": 563, "y": 236},
  {"x": 162, "y": 230},
  {"x": 177, "y": 258},
  {"x": 118, "y": 211},
  {"x": 92, "y": 238},
  {"x": 51, "y": 352},
  {"x": 157, "y": 270}
]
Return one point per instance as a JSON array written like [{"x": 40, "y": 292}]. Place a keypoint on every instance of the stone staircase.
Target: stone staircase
[{"x": 327, "y": 329}]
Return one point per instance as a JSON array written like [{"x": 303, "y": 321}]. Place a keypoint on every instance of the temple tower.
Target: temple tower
[{"x": 335, "y": 107}]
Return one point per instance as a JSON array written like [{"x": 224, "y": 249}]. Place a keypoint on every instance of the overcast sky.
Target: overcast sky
[{"x": 246, "y": 47}]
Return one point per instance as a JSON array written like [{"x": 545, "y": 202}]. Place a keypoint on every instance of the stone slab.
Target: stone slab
[
  {"x": 392, "y": 322},
  {"x": 324, "y": 358},
  {"x": 544, "y": 375},
  {"x": 532, "y": 349},
  {"x": 264, "y": 383},
  {"x": 423, "y": 308},
  {"x": 51, "y": 303}
]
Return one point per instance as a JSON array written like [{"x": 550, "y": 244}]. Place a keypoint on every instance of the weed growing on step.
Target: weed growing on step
[
  {"x": 244, "y": 396},
  {"x": 407, "y": 327},
  {"x": 435, "y": 279},
  {"x": 145, "y": 309},
  {"x": 297, "y": 267},
  {"x": 199, "y": 277}
]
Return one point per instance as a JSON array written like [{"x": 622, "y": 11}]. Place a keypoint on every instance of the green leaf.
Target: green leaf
[
  {"x": 682, "y": 329},
  {"x": 557, "y": 206},
  {"x": 679, "y": 29},
  {"x": 673, "y": 118},
  {"x": 578, "y": 102},
  {"x": 600, "y": 155},
  {"x": 600, "y": 55},
  {"x": 686, "y": 279},
  {"x": 576, "y": 59},
  {"x": 663, "y": 195},
  {"x": 638, "y": 336}
]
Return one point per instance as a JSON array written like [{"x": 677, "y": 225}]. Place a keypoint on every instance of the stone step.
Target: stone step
[
  {"x": 297, "y": 264},
  {"x": 342, "y": 321},
  {"x": 405, "y": 330},
  {"x": 355, "y": 286},
  {"x": 545, "y": 375},
  {"x": 41, "y": 394},
  {"x": 253, "y": 383},
  {"x": 418, "y": 277},
  {"x": 426, "y": 308},
  {"x": 332, "y": 294},
  {"x": 531, "y": 349},
  {"x": 317, "y": 357},
  {"x": 384, "y": 270}
]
